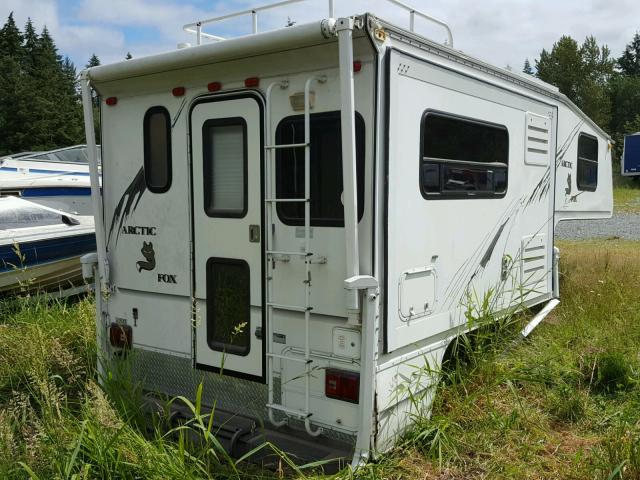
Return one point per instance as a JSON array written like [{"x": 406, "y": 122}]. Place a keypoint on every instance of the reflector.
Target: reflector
[
  {"x": 178, "y": 91},
  {"x": 357, "y": 65},
  {"x": 111, "y": 101}
]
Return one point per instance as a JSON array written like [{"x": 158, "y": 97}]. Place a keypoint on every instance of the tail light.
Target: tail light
[
  {"x": 178, "y": 91},
  {"x": 342, "y": 385},
  {"x": 120, "y": 335}
]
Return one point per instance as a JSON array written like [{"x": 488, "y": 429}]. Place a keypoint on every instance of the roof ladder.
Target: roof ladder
[{"x": 272, "y": 255}]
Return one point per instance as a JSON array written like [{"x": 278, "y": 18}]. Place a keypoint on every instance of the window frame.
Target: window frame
[
  {"x": 219, "y": 346},
  {"x": 360, "y": 164},
  {"x": 444, "y": 195},
  {"x": 580, "y": 159},
  {"x": 146, "y": 148},
  {"x": 207, "y": 163}
]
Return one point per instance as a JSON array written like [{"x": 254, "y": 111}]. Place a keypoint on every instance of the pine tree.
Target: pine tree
[
  {"x": 527, "y": 67},
  {"x": 582, "y": 73},
  {"x": 94, "y": 61},
  {"x": 629, "y": 62},
  {"x": 10, "y": 39}
]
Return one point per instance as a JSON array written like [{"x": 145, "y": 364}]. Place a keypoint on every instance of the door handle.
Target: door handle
[
  {"x": 254, "y": 233},
  {"x": 258, "y": 333}
]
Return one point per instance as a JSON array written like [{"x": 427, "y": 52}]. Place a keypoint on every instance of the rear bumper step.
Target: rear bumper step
[{"x": 239, "y": 434}]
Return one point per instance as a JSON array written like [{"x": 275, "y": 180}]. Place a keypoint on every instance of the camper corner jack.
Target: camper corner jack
[{"x": 365, "y": 438}]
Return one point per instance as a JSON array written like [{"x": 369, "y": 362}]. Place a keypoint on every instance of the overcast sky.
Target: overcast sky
[{"x": 503, "y": 32}]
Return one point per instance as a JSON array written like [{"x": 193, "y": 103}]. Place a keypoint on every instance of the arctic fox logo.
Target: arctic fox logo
[{"x": 149, "y": 254}]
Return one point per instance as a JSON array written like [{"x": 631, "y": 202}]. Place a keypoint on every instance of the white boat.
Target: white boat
[
  {"x": 57, "y": 179},
  {"x": 40, "y": 248}
]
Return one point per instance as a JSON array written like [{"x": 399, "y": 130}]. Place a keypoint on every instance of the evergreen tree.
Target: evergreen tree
[
  {"x": 582, "y": 73},
  {"x": 629, "y": 62},
  {"x": 13, "y": 91},
  {"x": 10, "y": 39},
  {"x": 39, "y": 102},
  {"x": 527, "y": 67},
  {"x": 94, "y": 61}
]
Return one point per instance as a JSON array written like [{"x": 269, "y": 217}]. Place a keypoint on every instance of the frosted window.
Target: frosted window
[{"x": 225, "y": 175}]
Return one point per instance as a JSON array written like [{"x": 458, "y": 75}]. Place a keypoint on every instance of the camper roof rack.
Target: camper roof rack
[{"x": 197, "y": 27}]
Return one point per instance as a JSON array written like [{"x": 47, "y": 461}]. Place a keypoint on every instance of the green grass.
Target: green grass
[
  {"x": 626, "y": 195},
  {"x": 565, "y": 403}
]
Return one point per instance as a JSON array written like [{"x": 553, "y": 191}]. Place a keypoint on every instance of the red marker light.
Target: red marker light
[
  {"x": 252, "y": 82},
  {"x": 111, "y": 101},
  {"x": 357, "y": 66},
  {"x": 178, "y": 91},
  {"x": 120, "y": 336},
  {"x": 214, "y": 86}
]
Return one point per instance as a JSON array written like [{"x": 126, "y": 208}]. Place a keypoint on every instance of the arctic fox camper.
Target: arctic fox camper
[{"x": 298, "y": 218}]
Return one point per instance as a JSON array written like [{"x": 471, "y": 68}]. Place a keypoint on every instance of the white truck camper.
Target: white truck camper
[{"x": 299, "y": 218}]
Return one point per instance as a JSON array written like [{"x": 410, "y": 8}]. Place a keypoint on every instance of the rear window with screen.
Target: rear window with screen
[
  {"x": 587, "y": 177},
  {"x": 228, "y": 306},
  {"x": 326, "y": 169},
  {"x": 224, "y": 146},
  {"x": 463, "y": 157},
  {"x": 157, "y": 149}
]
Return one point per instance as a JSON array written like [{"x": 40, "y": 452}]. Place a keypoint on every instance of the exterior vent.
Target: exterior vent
[
  {"x": 538, "y": 142},
  {"x": 533, "y": 265}
]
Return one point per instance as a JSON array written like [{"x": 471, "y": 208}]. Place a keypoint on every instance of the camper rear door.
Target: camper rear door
[{"x": 226, "y": 160}]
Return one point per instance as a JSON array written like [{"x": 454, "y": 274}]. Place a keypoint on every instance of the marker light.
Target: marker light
[
  {"x": 111, "y": 101},
  {"x": 121, "y": 336},
  {"x": 342, "y": 385},
  {"x": 252, "y": 82},
  {"x": 214, "y": 86},
  {"x": 357, "y": 66},
  {"x": 178, "y": 91}
]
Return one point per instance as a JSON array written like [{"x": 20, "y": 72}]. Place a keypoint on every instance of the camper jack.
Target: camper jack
[{"x": 299, "y": 219}]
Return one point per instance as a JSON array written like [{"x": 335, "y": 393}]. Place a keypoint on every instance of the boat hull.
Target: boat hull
[{"x": 50, "y": 265}]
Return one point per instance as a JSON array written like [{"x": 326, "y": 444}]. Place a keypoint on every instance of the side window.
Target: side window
[
  {"x": 462, "y": 157},
  {"x": 157, "y": 149},
  {"x": 224, "y": 146},
  {"x": 587, "y": 177},
  {"x": 228, "y": 306},
  {"x": 326, "y": 169}
]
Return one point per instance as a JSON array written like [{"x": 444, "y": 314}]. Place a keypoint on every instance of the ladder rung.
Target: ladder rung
[
  {"x": 288, "y": 357},
  {"x": 293, "y": 254},
  {"x": 286, "y": 145},
  {"x": 290, "y": 411},
  {"x": 293, "y": 308},
  {"x": 278, "y": 200}
]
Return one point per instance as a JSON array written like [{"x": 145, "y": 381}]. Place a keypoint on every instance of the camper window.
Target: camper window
[
  {"x": 225, "y": 167},
  {"x": 157, "y": 149},
  {"x": 462, "y": 157},
  {"x": 587, "y": 178},
  {"x": 228, "y": 306},
  {"x": 326, "y": 169}
]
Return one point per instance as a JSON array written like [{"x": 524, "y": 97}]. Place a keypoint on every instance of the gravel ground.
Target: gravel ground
[{"x": 621, "y": 225}]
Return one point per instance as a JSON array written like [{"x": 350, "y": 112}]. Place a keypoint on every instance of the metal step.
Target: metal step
[
  {"x": 286, "y": 200},
  {"x": 289, "y": 411},
  {"x": 291, "y": 308},
  {"x": 283, "y": 146},
  {"x": 293, "y": 254},
  {"x": 289, "y": 357}
]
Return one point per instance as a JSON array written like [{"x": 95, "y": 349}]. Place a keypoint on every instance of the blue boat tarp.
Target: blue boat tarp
[{"x": 631, "y": 155}]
